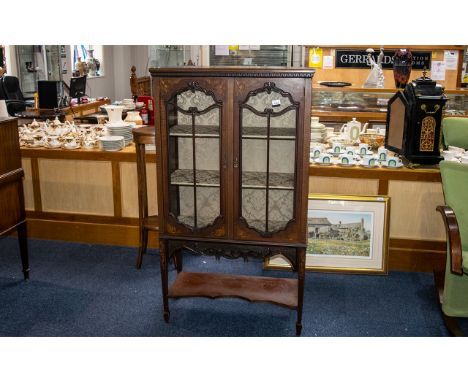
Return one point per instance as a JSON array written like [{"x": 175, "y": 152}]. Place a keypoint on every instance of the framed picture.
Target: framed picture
[{"x": 345, "y": 234}]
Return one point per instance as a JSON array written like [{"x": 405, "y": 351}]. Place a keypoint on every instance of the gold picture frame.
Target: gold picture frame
[{"x": 346, "y": 234}]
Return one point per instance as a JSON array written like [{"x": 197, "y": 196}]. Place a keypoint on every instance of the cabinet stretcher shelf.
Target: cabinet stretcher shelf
[{"x": 278, "y": 291}]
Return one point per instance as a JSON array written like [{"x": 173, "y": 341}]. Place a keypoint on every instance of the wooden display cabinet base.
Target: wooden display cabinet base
[
  {"x": 277, "y": 291},
  {"x": 284, "y": 292}
]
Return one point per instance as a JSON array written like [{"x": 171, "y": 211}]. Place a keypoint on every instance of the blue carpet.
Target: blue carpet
[{"x": 95, "y": 290}]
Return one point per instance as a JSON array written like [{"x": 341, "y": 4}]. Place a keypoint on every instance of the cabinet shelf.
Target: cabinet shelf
[
  {"x": 205, "y": 178},
  {"x": 190, "y": 220},
  {"x": 278, "y": 291},
  {"x": 185, "y": 131},
  {"x": 276, "y": 133},
  {"x": 250, "y": 179},
  {"x": 273, "y": 225},
  {"x": 278, "y": 181}
]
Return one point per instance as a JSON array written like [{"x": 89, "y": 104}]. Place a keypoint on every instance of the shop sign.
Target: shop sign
[{"x": 358, "y": 59}]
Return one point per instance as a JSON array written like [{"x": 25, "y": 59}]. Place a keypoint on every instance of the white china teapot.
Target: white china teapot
[{"x": 353, "y": 129}]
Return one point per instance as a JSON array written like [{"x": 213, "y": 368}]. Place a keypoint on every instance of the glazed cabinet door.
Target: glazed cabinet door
[
  {"x": 193, "y": 147},
  {"x": 268, "y": 157}
]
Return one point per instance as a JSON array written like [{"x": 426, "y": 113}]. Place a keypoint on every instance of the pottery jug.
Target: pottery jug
[
  {"x": 114, "y": 112},
  {"x": 134, "y": 116},
  {"x": 352, "y": 129}
]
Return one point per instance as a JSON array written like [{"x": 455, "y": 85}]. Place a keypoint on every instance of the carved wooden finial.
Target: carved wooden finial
[{"x": 133, "y": 82}]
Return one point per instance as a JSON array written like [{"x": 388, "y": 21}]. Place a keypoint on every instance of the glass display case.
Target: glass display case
[
  {"x": 232, "y": 182},
  {"x": 365, "y": 104},
  {"x": 35, "y": 63}
]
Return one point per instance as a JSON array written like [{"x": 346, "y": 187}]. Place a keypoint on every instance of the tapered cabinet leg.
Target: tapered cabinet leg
[
  {"x": 300, "y": 288},
  {"x": 164, "y": 277},
  {"x": 23, "y": 245},
  {"x": 178, "y": 260},
  {"x": 143, "y": 246}
]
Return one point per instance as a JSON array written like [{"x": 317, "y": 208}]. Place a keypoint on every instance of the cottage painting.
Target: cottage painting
[{"x": 339, "y": 233}]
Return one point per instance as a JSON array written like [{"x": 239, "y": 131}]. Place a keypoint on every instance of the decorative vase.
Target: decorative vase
[
  {"x": 93, "y": 64},
  {"x": 402, "y": 63},
  {"x": 81, "y": 67}
]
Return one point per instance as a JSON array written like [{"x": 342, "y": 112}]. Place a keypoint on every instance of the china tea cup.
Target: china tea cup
[
  {"x": 324, "y": 158},
  {"x": 394, "y": 162},
  {"x": 346, "y": 159},
  {"x": 363, "y": 148},
  {"x": 89, "y": 143},
  {"x": 382, "y": 153},
  {"x": 336, "y": 147},
  {"x": 38, "y": 140},
  {"x": 456, "y": 150},
  {"x": 53, "y": 141},
  {"x": 315, "y": 151},
  {"x": 349, "y": 150},
  {"x": 369, "y": 160},
  {"x": 71, "y": 142},
  {"x": 449, "y": 155}
]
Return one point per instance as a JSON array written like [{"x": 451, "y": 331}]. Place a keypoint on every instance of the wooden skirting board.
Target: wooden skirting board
[{"x": 404, "y": 254}]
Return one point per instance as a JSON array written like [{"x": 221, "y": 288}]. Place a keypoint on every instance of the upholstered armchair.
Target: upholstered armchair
[{"x": 452, "y": 284}]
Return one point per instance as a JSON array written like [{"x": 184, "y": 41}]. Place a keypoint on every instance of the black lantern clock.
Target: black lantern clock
[{"x": 414, "y": 120}]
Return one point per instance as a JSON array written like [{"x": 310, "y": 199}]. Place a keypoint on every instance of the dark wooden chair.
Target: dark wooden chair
[
  {"x": 140, "y": 86},
  {"x": 142, "y": 136}
]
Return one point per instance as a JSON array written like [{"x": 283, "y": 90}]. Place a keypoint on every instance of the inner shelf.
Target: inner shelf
[
  {"x": 248, "y": 132},
  {"x": 278, "y": 291},
  {"x": 283, "y": 133},
  {"x": 207, "y": 131},
  {"x": 250, "y": 179}
]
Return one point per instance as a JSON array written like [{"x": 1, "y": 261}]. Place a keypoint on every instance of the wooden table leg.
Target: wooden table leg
[
  {"x": 23, "y": 245},
  {"x": 300, "y": 288},
  {"x": 143, "y": 246},
  {"x": 164, "y": 277}
]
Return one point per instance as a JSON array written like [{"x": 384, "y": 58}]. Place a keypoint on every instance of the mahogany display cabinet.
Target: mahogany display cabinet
[{"x": 232, "y": 177}]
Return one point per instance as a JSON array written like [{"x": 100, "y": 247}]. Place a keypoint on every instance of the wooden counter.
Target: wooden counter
[
  {"x": 85, "y": 195},
  {"x": 72, "y": 112},
  {"x": 91, "y": 196},
  {"x": 417, "y": 234}
]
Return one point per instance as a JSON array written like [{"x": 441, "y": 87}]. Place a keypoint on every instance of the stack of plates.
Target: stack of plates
[
  {"x": 112, "y": 143},
  {"x": 318, "y": 134},
  {"x": 121, "y": 129}
]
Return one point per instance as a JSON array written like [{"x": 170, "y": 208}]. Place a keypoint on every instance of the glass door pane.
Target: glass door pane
[
  {"x": 268, "y": 147},
  {"x": 194, "y": 119}
]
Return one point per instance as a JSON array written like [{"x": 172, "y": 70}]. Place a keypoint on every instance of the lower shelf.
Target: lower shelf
[{"x": 278, "y": 291}]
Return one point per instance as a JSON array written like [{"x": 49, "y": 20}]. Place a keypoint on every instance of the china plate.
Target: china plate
[
  {"x": 347, "y": 164},
  {"x": 398, "y": 165},
  {"x": 53, "y": 146},
  {"x": 367, "y": 166},
  {"x": 336, "y": 84},
  {"x": 68, "y": 147},
  {"x": 331, "y": 152},
  {"x": 323, "y": 164}
]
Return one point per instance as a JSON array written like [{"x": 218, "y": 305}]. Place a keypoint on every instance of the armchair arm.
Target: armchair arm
[{"x": 453, "y": 236}]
